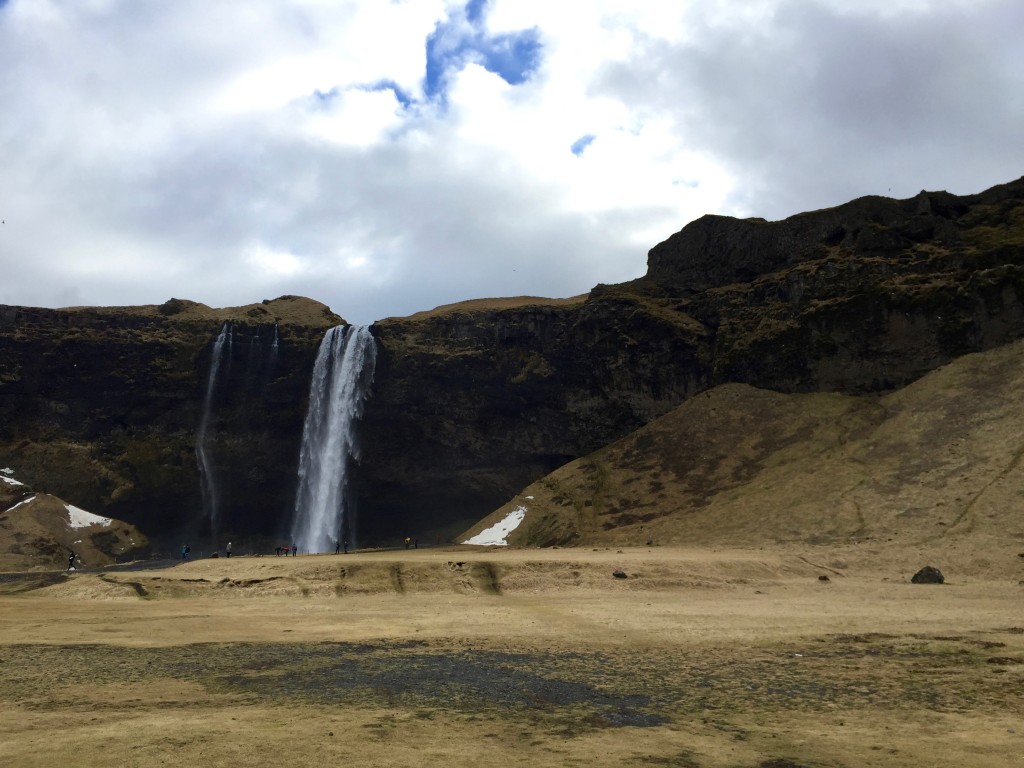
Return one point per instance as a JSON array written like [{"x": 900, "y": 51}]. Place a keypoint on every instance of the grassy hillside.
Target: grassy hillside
[{"x": 930, "y": 465}]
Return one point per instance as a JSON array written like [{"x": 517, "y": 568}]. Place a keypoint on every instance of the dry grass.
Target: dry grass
[
  {"x": 488, "y": 305},
  {"x": 937, "y": 462},
  {"x": 295, "y": 310},
  {"x": 516, "y": 657}
]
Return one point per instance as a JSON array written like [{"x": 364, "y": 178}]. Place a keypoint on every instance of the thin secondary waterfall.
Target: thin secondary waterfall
[
  {"x": 341, "y": 381},
  {"x": 207, "y": 483},
  {"x": 274, "y": 347}
]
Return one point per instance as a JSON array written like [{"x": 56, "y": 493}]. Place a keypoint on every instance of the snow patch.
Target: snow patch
[
  {"x": 23, "y": 501},
  {"x": 10, "y": 480},
  {"x": 79, "y": 518},
  {"x": 495, "y": 535}
]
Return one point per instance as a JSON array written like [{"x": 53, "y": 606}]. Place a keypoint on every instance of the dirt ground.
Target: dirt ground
[{"x": 501, "y": 657}]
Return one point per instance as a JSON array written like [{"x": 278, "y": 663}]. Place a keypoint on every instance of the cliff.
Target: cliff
[
  {"x": 472, "y": 402},
  {"x": 102, "y": 405}
]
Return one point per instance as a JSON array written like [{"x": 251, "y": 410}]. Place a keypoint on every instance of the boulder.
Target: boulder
[{"x": 928, "y": 575}]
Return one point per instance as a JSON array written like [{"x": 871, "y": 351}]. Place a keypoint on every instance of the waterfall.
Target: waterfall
[
  {"x": 274, "y": 351},
  {"x": 207, "y": 484},
  {"x": 341, "y": 380}
]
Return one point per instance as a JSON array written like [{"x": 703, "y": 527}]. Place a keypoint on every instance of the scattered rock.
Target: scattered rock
[
  {"x": 823, "y": 577},
  {"x": 928, "y": 575},
  {"x": 619, "y": 574}
]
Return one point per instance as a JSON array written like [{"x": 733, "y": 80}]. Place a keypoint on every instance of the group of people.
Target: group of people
[
  {"x": 186, "y": 550},
  {"x": 293, "y": 550}
]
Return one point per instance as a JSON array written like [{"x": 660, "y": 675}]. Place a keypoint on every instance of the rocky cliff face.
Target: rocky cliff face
[
  {"x": 472, "y": 402},
  {"x": 101, "y": 406},
  {"x": 865, "y": 297}
]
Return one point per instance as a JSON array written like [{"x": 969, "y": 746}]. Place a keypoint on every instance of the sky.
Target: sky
[{"x": 386, "y": 157}]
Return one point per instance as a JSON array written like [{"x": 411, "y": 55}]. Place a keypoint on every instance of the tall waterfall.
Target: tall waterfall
[
  {"x": 207, "y": 483},
  {"x": 341, "y": 380}
]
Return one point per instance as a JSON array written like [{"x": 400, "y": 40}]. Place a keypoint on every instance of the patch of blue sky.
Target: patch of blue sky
[
  {"x": 325, "y": 97},
  {"x": 390, "y": 85},
  {"x": 580, "y": 145},
  {"x": 513, "y": 57},
  {"x": 475, "y": 11},
  {"x": 463, "y": 40}
]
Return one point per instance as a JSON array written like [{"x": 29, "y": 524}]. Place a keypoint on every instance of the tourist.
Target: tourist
[
  {"x": 228, "y": 550},
  {"x": 71, "y": 561}
]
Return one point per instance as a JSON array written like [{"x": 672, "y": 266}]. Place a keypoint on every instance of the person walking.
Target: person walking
[
  {"x": 228, "y": 549},
  {"x": 71, "y": 561}
]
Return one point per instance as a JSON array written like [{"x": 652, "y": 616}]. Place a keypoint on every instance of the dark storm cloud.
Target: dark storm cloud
[{"x": 817, "y": 105}]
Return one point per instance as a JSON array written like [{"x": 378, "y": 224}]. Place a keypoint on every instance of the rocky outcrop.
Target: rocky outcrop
[{"x": 865, "y": 297}]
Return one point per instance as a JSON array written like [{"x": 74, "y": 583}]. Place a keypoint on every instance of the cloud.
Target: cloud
[
  {"x": 823, "y": 102},
  {"x": 388, "y": 157}
]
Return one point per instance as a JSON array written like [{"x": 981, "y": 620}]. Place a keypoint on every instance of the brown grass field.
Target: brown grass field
[{"x": 540, "y": 657}]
